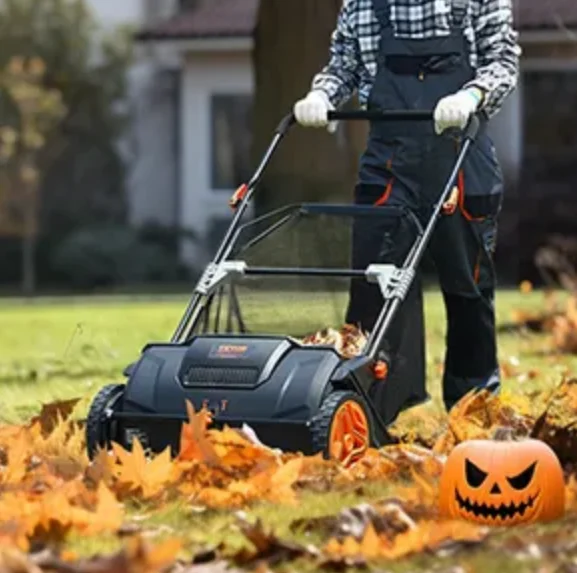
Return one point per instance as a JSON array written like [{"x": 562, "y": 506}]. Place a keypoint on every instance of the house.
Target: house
[{"x": 198, "y": 120}]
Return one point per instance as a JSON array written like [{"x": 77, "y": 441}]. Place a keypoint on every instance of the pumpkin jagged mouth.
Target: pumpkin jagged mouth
[{"x": 503, "y": 511}]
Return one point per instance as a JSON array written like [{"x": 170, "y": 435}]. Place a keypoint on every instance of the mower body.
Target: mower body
[{"x": 273, "y": 384}]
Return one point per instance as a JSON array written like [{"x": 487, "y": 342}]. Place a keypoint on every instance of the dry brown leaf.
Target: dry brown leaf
[
  {"x": 138, "y": 556},
  {"x": 427, "y": 536},
  {"x": 134, "y": 472},
  {"x": 194, "y": 443},
  {"x": 557, "y": 426},
  {"x": 267, "y": 546},
  {"x": 53, "y": 414},
  {"x": 13, "y": 560},
  {"x": 17, "y": 453},
  {"x": 476, "y": 416}
]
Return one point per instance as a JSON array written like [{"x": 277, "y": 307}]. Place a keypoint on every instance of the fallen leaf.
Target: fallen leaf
[
  {"x": 557, "y": 425},
  {"x": 194, "y": 443},
  {"x": 135, "y": 472},
  {"x": 53, "y": 414},
  {"x": 267, "y": 546}
]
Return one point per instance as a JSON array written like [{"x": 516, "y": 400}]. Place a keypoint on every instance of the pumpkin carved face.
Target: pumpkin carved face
[{"x": 502, "y": 483}]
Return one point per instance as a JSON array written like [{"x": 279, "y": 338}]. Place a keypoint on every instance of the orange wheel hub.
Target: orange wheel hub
[{"x": 349, "y": 436}]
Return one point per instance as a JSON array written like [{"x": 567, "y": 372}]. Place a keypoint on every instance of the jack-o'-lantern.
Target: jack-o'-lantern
[{"x": 494, "y": 482}]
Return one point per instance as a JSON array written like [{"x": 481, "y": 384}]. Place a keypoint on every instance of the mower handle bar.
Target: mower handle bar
[
  {"x": 239, "y": 201},
  {"x": 469, "y": 133},
  {"x": 412, "y": 115}
]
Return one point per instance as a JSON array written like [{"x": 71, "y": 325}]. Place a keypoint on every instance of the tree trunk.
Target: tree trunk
[
  {"x": 291, "y": 45},
  {"x": 28, "y": 264}
]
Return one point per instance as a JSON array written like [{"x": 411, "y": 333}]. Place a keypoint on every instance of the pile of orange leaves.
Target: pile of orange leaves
[
  {"x": 50, "y": 491},
  {"x": 555, "y": 319},
  {"x": 349, "y": 341}
]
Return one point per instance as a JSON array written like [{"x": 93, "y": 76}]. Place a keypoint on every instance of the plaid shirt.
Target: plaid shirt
[{"x": 355, "y": 44}]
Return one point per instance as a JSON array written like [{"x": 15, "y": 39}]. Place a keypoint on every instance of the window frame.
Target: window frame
[{"x": 213, "y": 96}]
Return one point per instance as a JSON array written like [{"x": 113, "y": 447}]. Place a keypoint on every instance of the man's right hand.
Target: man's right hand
[{"x": 313, "y": 111}]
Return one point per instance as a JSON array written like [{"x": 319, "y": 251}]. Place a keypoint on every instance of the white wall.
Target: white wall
[
  {"x": 140, "y": 12},
  {"x": 117, "y": 12},
  {"x": 149, "y": 146},
  {"x": 506, "y": 129},
  {"x": 205, "y": 73}
]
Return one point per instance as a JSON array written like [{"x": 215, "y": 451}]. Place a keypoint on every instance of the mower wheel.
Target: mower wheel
[
  {"x": 99, "y": 432},
  {"x": 343, "y": 427}
]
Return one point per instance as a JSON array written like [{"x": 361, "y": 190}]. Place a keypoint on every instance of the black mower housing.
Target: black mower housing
[{"x": 273, "y": 384}]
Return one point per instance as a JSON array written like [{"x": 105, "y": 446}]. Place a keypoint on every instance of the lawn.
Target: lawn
[
  {"x": 56, "y": 349},
  {"x": 61, "y": 348}
]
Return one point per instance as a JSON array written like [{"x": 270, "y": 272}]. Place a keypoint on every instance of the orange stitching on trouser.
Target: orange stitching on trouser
[
  {"x": 388, "y": 189},
  {"x": 385, "y": 196},
  {"x": 461, "y": 186}
]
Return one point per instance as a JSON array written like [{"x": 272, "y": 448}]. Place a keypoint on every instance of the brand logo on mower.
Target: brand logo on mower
[
  {"x": 229, "y": 351},
  {"x": 215, "y": 407}
]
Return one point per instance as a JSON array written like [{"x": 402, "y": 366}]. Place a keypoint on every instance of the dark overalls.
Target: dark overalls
[{"x": 406, "y": 167}]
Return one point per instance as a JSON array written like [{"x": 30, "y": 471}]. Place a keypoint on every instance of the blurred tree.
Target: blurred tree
[
  {"x": 292, "y": 45},
  {"x": 37, "y": 110},
  {"x": 82, "y": 174}
]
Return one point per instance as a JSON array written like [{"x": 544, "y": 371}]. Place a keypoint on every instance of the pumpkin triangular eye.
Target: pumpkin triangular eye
[
  {"x": 522, "y": 480},
  {"x": 475, "y": 476}
]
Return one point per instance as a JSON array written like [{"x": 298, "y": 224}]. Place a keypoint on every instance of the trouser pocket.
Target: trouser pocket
[{"x": 480, "y": 182}]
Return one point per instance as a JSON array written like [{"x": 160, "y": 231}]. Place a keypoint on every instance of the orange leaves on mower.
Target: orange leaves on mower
[{"x": 349, "y": 341}]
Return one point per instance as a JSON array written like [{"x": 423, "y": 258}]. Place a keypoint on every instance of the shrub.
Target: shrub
[{"x": 111, "y": 256}]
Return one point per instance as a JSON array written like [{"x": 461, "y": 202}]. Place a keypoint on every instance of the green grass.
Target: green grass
[
  {"x": 53, "y": 349},
  {"x": 60, "y": 348}
]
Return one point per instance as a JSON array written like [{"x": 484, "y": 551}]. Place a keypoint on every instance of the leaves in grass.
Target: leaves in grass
[
  {"x": 557, "y": 425},
  {"x": 424, "y": 536},
  {"x": 476, "y": 416},
  {"x": 51, "y": 415}
]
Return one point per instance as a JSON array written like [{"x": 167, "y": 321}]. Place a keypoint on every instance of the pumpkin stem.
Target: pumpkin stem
[{"x": 503, "y": 434}]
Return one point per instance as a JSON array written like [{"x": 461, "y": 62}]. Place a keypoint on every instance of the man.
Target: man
[{"x": 457, "y": 58}]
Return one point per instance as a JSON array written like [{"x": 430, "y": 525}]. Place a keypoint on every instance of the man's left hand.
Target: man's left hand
[{"x": 455, "y": 110}]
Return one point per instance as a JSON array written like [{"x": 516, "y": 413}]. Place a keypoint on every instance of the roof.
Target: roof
[
  {"x": 208, "y": 19},
  {"x": 237, "y": 18}
]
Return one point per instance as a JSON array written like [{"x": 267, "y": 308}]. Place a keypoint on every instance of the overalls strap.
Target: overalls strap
[
  {"x": 459, "y": 12},
  {"x": 382, "y": 10}
]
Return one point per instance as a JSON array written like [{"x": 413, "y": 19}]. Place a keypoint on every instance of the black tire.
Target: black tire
[
  {"x": 321, "y": 426},
  {"x": 99, "y": 432}
]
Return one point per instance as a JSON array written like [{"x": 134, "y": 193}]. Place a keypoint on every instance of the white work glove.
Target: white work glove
[
  {"x": 313, "y": 110},
  {"x": 456, "y": 110}
]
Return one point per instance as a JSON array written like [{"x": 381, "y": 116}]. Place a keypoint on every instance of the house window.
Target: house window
[
  {"x": 231, "y": 126},
  {"x": 550, "y": 135}
]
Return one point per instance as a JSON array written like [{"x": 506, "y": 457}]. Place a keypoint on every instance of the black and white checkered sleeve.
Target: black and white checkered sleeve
[
  {"x": 498, "y": 52},
  {"x": 341, "y": 76}
]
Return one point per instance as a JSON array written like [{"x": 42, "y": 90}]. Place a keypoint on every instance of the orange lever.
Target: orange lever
[
  {"x": 451, "y": 205},
  {"x": 238, "y": 196},
  {"x": 380, "y": 370}
]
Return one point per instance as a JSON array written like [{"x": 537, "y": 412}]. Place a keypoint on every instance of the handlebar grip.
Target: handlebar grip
[{"x": 401, "y": 115}]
